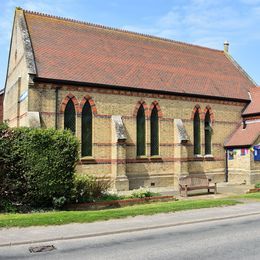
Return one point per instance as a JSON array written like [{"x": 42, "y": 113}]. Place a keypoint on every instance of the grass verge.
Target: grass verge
[
  {"x": 255, "y": 196},
  {"x": 65, "y": 217}
]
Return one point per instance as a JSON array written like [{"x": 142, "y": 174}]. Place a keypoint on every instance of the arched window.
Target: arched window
[
  {"x": 86, "y": 130},
  {"x": 140, "y": 131},
  {"x": 70, "y": 117},
  {"x": 196, "y": 132},
  {"x": 154, "y": 132},
  {"x": 207, "y": 132}
]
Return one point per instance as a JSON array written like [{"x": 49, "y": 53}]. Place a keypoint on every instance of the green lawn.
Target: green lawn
[
  {"x": 249, "y": 196},
  {"x": 65, "y": 217}
]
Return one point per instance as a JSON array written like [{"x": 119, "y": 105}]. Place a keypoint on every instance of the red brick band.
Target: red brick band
[
  {"x": 140, "y": 94},
  {"x": 150, "y": 160}
]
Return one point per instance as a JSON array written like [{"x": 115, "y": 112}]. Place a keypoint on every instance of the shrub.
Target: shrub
[
  {"x": 88, "y": 188},
  {"x": 113, "y": 196},
  {"x": 257, "y": 185},
  {"x": 36, "y": 165},
  {"x": 58, "y": 203},
  {"x": 12, "y": 180},
  {"x": 142, "y": 193}
]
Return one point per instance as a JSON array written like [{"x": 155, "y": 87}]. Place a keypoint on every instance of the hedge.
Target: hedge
[{"x": 36, "y": 166}]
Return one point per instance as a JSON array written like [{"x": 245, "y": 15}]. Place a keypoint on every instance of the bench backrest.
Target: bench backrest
[{"x": 193, "y": 181}]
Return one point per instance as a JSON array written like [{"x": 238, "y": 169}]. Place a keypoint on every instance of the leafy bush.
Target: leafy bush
[
  {"x": 88, "y": 188},
  {"x": 113, "y": 196},
  {"x": 58, "y": 203},
  {"x": 7, "y": 206},
  {"x": 143, "y": 193},
  {"x": 257, "y": 185},
  {"x": 36, "y": 165}
]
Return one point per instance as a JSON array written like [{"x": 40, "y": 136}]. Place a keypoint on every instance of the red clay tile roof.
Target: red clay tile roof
[
  {"x": 245, "y": 137},
  {"x": 83, "y": 52},
  {"x": 254, "y": 105}
]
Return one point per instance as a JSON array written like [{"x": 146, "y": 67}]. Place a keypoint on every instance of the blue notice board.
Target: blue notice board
[{"x": 257, "y": 152}]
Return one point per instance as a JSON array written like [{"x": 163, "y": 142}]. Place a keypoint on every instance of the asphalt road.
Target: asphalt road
[{"x": 226, "y": 239}]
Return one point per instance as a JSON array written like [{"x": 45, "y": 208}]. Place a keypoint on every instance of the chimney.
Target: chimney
[{"x": 226, "y": 46}]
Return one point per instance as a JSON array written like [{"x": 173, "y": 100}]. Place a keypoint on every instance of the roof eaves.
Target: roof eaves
[
  {"x": 29, "y": 53},
  {"x": 238, "y": 146},
  {"x": 250, "y": 114},
  {"x": 139, "y": 89}
]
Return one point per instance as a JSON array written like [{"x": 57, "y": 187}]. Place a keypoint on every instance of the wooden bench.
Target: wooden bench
[{"x": 190, "y": 182}]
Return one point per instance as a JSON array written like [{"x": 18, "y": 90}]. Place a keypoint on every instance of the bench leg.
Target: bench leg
[
  {"x": 186, "y": 191},
  {"x": 208, "y": 190},
  {"x": 215, "y": 190}
]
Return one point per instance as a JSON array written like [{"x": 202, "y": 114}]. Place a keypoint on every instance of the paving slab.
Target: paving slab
[{"x": 223, "y": 189}]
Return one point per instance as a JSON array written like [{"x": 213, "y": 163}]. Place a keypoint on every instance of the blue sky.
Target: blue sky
[{"x": 203, "y": 22}]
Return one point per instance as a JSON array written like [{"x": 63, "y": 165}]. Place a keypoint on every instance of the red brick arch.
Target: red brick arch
[
  {"x": 212, "y": 117},
  {"x": 89, "y": 99},
  {"x": 137, "y": 106},
  {"x": 156, "y": 104},
  {"x": 66, "y": 100},
  {"x": 196, "y": 108}
]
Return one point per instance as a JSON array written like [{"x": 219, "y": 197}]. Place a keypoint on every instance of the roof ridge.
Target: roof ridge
[{"x": 100, "y": 26}]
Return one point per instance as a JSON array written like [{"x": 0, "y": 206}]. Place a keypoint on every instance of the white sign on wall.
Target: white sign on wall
[{"x": 23, "y": 96}]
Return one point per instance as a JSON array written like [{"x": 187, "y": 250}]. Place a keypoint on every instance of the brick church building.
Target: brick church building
[{"x": 146, "y": 110}]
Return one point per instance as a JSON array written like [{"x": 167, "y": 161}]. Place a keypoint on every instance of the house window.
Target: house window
[
  {"x": 208, "y": 132},
  {"x": 86, "y": 130},
  {"x": 140, "y": 131},
  {"x": 196, "y": 133},
  {"x": 154, "y": 132},
  {"x": 70, "y": 117}
]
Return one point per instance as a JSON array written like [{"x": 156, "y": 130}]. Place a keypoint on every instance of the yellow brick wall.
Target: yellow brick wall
[
  {"x": 243, "y": 168},
  {"x": 239, "y": 167},
  {"x": 175, "y": 158},
  {"x": 17, "y": 82}
]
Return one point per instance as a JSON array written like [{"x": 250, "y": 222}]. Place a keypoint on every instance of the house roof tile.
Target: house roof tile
[
  {"x": 254, "y": 106},
  {"x": 82, "y": 52},
  {"x": 245, "y": 137}
]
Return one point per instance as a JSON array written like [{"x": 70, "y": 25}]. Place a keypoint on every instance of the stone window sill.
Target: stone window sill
[
  {"x": 87, "y": 158},
  {"x": 198, "y": 156},
  {"x": 154, "y": 157},
  {"x": 141, "y": 157},
  {"x": 208, "y": 156}
]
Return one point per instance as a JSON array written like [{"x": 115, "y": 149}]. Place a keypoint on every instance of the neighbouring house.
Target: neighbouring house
[
  {"x": 146, "y": 110},
  {"x": 1, "y": 105},
  {"x": 243, "y": 147}
]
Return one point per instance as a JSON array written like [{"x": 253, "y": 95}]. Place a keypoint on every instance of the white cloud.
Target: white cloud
[
  {"x": 207, "y": 22},
  {"x": 171, "y": 19}
]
